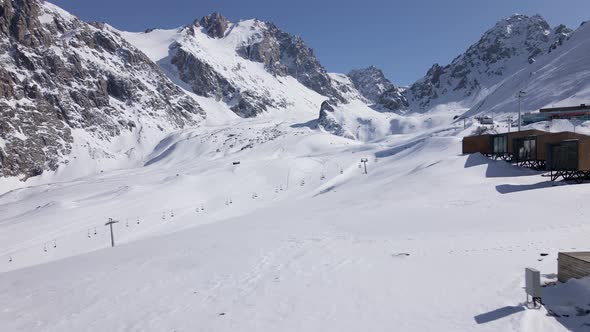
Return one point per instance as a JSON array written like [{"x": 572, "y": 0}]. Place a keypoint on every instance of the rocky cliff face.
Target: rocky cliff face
[
  {"x": 59, "y": 75},
  {"x": 370, "y": 82},
  {"x": 284, "y": 54},
  {"x": 214, "y": 25},
  {"x": 512, "y": 44},
  {"x": 373, "y": 85},
  {"x": 329, "y": 123}
]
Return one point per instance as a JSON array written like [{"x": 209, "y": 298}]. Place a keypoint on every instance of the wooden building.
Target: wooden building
[
  {"x": 573, "y": 265},
  {"x": 531, "y": 151},
  {"x": 502, "y": 144},
  {"x": 475, "y": 144},
  {"x": 569, "y": 159},
  {"x": 496, "y": 145}
]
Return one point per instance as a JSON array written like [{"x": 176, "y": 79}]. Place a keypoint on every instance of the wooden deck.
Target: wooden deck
[{"x": 573, "y": 265}]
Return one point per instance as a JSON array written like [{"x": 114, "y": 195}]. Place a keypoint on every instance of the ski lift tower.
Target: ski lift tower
[
  {"x": 364, "y": 161},
  {"x": 110, "y": 223}
]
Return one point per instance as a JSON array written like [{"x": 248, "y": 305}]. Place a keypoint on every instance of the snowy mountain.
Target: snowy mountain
[
  {"x": 559, "y": 78},
  {"x": 71, "y": 92},
  {"x": 512, "y": 45},
  {"x": 248, "y": 65}
]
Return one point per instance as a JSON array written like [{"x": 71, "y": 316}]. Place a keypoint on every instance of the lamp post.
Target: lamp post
[{"x": 519, "y": 96}]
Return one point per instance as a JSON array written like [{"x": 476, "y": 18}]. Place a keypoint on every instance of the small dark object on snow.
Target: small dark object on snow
[
  {"x": 544, "y": 254},
  {"x": 582, "y": 312},
  {"x": 222, "y": 314},
  {"x": 236, "y": 162}
]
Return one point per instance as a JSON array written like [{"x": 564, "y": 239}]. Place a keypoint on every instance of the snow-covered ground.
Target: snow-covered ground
[
  {"x": 294, "y": 238},
  {"x": 270, "y": 224}
]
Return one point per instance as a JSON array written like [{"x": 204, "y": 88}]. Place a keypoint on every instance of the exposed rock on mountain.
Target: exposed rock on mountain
[
  {"x": 219, "y": 59},
  {"x": 62, "y": 79},
  {"x": 370, "y": 82},
  {"x": 215, "y": 25},
  {"x": 512, "y": 44},
  {"x": 284, "y": 54},
  {"x": 394, "y": 99},
  {"x": 329, "y": 123},
  {"x": 373, "y": 85},
  {"x": 206, "y": 81}
]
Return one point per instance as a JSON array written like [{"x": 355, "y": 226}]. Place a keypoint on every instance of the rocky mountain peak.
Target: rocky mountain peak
[
  {"x": 370, "y": 82},
  {"x": 215, "y": 25}
]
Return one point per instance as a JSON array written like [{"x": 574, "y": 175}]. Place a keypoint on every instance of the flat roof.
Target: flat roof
[
  {"x": 581, "y": 255},
  {"x": 565, "y": 108}
]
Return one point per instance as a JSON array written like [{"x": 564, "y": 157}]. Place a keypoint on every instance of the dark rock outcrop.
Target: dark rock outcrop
[
  {"x": 215, "y": 25},
  {"x": 393, "y": 100},
  {"x": 372, "y": 84},
  {"x": 329, "y": 123}
]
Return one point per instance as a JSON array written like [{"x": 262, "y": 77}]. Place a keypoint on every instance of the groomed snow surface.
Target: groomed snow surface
[{"x": 293, "y": 238}]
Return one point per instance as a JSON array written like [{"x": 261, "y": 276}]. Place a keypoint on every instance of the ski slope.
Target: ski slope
[
  {"x": 294, "y": 238},
  {"x": 271, "y": 224}
]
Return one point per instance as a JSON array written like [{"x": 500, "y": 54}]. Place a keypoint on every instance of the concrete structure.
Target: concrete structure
[
  {"x": 573, "y": 265},
  {"x": 581, "y": 112}
]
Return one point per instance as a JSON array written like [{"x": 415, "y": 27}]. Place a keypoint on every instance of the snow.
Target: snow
[
  {"x": 295, "y": 237},
  {"x": 50, "y": 10},
  {"x": 154, "y": 44},
  {"x": 320, "y": 254}
]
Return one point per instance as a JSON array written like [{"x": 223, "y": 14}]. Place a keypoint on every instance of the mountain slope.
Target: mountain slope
[
  {"x": 76, "y": 92},
  {"x": 559, "y": 78},
  {"x": 513, "y": 44},
  {"x": 251, "y": 65}
]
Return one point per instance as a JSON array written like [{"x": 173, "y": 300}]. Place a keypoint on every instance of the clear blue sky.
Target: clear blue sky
[{"x": 404, "y": 38}]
